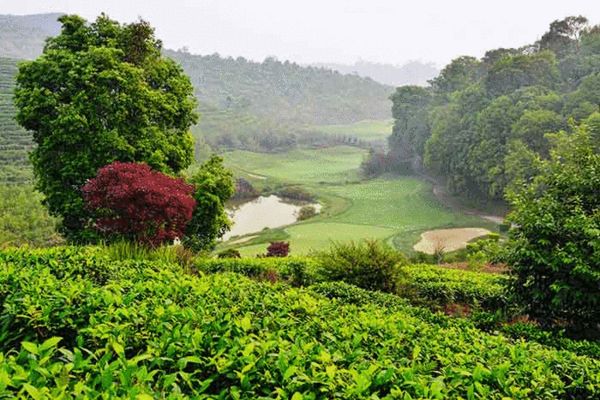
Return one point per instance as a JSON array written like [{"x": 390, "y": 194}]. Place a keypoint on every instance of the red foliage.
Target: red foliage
[
  {"x": 278, "y": 249},
  {"x": 132, "y": 200}
]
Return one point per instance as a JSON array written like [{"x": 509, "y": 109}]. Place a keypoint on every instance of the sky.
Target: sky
[{"x": 309, "y": 31}]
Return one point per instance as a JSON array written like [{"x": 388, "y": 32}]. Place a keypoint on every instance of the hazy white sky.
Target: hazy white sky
[{"x": 392, "y": 31}]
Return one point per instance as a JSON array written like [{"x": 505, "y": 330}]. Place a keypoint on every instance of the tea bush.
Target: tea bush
[
  {"x": 422, "y": 284},
  {"x": 298, "y": 270},
  {"x": 149, "y": 330},
  {"x": 442, "y": 286},
  {"x": 368, "y": 264}
]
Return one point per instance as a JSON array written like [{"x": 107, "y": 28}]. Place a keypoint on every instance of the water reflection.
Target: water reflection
[{"x": 263, "y": 212}]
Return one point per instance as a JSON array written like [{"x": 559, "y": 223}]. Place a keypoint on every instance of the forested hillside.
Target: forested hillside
[
  {"x": 284, "y": 91},
  {"x": 482, "y": 123},
  {"x": 23, "y": 36},
  {"x": 269, "y": 105},
  {"x": 273, "y": 104}
]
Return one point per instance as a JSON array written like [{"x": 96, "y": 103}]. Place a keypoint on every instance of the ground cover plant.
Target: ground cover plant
[{"x": 142, "y": 329}]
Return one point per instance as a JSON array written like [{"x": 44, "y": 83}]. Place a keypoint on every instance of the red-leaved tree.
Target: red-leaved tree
[
  {"x": 133, "y": 201},
  {"x": 278, "y": 249}
]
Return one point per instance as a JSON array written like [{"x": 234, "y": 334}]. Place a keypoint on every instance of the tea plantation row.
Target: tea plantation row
[
  {"x": 15, "y": 142},
  {"x": 75, "y": 324}
]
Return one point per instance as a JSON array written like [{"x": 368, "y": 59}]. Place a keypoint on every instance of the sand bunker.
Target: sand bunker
[{"x": 447, "y": 239}]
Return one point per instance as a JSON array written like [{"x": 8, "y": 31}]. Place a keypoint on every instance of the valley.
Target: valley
[{"x": 394, "y": 209}]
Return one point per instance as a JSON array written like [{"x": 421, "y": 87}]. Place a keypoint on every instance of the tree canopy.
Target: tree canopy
[
  {"x": 478, "y": 121},
  {"x": 99, "y": 93},
  {"x": 555, "y": 243}
]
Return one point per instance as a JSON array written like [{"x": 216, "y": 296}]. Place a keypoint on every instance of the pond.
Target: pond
[{"x": 263, "y": 212}]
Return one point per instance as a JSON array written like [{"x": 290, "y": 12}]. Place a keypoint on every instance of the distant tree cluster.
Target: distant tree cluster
[{"x": 482, "y": 123}]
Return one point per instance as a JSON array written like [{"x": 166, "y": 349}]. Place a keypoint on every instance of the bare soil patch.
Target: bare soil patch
[{"x": 448, "y": 239}]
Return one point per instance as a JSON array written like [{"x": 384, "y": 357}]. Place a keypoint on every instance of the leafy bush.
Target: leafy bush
[
  {"x": 295, "y": 193},
  {"x": 555, "y": 244},
  {"x": 214, "y": 186},
  {"x": 278, "y": 249},
  {"x": 306, "y": 212},
  {"x": 244, "y": 190},
  {"x": 368, "y": 265},
  {"x": 439, "y": 286},
  {"x": 23, "y": 218},
  {"x": 133, "y": 202},
  {"x": 485, "y": 251},
  {"x": 299, "y": 271},
  {"x": 229, "y": 253},
  {"x": 150, "y": 330}
]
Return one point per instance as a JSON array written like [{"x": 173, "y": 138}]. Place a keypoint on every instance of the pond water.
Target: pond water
[{"x": 263, "y": 212}]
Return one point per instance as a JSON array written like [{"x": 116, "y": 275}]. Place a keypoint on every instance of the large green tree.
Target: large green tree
[
  {"x": 101, "y": 92},
  {"x": 214, "y": 186},
  {"x": 555, "y": 242}
]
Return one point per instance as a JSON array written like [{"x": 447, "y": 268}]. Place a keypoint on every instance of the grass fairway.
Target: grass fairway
[
  {"x": 305, "y": 166},
  {"x": 394, "y": 209},
  {"x": 369, "y": 130},
  {"x": 318, "y": 235}
]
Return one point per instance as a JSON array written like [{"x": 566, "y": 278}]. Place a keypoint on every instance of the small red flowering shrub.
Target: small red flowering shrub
[
  {"x": 131, "y": 200},
  {"x": 278, "y": 249}
]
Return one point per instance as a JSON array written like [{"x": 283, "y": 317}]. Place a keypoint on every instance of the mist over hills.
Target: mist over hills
[
  {"x": 410, "y": 73},
  {"x": 23, "y": 36},
  {"x": 243, "y": 104}
]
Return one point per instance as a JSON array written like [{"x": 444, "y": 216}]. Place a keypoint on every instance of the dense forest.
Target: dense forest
[{"x": 481, "y": 124}]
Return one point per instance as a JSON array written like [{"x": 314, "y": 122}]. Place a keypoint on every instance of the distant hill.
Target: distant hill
[
  {"x": 269, "y": 105},
  {"x": 411, "y": 73},
  {"x": 23, "y": 36},
  {"x": 284, "y": 91}
]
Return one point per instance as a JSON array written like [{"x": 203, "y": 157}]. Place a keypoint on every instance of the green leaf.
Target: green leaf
[{"x": 30, "y": 347}]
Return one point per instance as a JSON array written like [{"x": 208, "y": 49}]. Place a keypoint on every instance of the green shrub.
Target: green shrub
[
  {"x": 554, "y": 247},
  {"x": 369, "y": 264},
  {"x": 306, "y": 212},
  {"x": 151, "y": 331},
  {"x": 295, "y": 193},
  {"x": 229, "y": 253},
  {"x": 439, "y": 286},
  {"x": 299, "y": 271}
]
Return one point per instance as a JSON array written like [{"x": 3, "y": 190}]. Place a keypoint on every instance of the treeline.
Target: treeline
[
  {"x": 284, "y": 91},
  {"x": 272, "y": 105},
  {"x": 483, "y": 123}
]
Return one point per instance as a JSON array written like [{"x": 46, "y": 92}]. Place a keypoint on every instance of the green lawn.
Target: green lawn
[
  {"x": 395, "y": 209},
  {"x": 306, "y": 166},
  {"x": 369, "y": 130}
]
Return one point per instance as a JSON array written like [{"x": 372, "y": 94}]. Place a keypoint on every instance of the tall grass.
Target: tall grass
[{"x": 125, "y": 250}]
